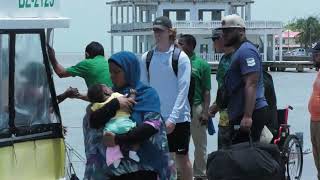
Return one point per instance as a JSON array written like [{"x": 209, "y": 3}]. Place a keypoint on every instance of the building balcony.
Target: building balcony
[
  {"x": 131, "y": 27},
  {"x": 211, "y": 58},
  {"x": 128, "y": 27}
]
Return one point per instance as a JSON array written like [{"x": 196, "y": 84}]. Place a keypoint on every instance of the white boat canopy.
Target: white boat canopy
[{"x": 31, "y": 14}]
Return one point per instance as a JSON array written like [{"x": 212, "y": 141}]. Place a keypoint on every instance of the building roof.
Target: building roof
[
  {"x": 22, "y": 15},
  {"x": 288, "y": 33},
  {"x": 34, "y": 23}
]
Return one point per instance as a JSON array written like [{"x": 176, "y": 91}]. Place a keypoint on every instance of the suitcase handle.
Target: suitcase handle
[{"x": 237, "y": 128}]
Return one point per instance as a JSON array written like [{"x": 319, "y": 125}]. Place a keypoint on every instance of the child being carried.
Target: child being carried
[{"x": 121, "y": 123}]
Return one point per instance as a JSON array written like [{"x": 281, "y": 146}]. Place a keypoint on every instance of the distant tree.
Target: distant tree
[{"x": 309, "y": 30}]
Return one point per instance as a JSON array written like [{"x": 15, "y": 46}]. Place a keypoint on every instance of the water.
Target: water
[{"x": 292, "y": 89}]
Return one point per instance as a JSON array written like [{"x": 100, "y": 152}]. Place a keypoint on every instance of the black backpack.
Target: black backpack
[
  {"x": 269, "y": 91},
  {"x": 174, "y": 62},
  {"x": 270, "y": 95}
]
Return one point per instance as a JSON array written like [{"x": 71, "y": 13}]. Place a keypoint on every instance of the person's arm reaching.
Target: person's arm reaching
[
  {"x": 58, "y": 68},
  {"x": 83, "y": 97},
  {"x": 69, "y": 93}
]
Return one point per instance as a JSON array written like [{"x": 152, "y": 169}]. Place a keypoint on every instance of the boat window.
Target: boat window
[
  {"x": 33, "y": 104},
  {"x": 4, "y": 81}
]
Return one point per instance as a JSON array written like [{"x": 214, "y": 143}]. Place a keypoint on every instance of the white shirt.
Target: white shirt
[{"x": 173, "y": 90}]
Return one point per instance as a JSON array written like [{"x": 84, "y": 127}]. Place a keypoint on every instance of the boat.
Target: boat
[{"x": 32, "y": 144}]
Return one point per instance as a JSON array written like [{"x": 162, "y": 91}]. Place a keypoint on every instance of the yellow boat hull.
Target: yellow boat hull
[{"x": 33, "y": 160}]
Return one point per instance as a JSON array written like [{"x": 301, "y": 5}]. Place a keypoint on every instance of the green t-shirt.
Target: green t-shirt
[
  {"x": 223, "y": 67},
  {"x": 93, "y": 71},
  {"x": 201, "y": 72}
]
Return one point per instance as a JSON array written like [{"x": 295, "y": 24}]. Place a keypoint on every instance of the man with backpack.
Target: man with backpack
[
  {"x": 167, "y": 69},
  {"x": 246, "y": 103},
  {"x": 199, "y": 98}
]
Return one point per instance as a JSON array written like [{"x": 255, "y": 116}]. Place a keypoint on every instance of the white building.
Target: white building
[{"x": 133, "y": 19}]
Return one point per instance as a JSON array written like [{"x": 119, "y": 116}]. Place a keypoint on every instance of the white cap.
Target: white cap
[{"x": 232, "y": 21}]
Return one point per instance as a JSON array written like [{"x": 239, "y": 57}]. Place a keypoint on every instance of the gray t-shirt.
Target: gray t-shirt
[{"x": 244, "y": 61}]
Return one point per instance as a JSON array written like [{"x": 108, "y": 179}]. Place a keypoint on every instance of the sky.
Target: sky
[{"x": 90, "y": 20}]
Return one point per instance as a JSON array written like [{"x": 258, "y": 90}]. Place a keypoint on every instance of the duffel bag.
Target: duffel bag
[{"x": 246, "y": 161}]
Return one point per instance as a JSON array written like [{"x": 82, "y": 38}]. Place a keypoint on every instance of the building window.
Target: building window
[
  {"x": 203, "y": 48},
  {"x": 177, "y": 14},
  {"x": 4, "y": 80},
  {"x": 32, "y": 95},
  {"x": 210, "y": 15}
]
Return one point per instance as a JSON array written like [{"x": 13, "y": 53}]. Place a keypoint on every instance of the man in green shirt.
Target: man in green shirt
[
  {"x": 94, "y": 69},
  {"x": 201, "y": 85},
  {"x": 224, "y": 133}
]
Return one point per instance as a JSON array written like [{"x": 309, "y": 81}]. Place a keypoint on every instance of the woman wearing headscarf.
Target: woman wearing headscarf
[{"x": 150, "y": 132}]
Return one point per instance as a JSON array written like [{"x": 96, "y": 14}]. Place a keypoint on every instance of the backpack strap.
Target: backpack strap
[
  {"x": 148, "y": 62},
  {"x": 175, "y": 58}
]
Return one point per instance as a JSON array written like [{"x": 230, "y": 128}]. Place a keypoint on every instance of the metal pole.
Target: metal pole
[
  {"x": 274, "y": 47},
  {"x": 128, "y": 15},
  {"x": 111, "y": 14},
  {"x": 134, "y": 14},
  {"x": 134, "y": 43},
  {"x": 242, "y": 12},
  {"x": 117, "y": 16},
  {"x": 122, "y": 43},
  {"x": 288, "y": 41},
  {"x": 265, "y": 47},
  {"x": 122, "y": 20},
  {"x": 280, "y": 46},
  {"x": 112, "y": 50}
]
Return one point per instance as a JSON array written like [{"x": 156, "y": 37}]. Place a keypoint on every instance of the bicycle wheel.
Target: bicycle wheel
[{"x": 292, "y": 152}]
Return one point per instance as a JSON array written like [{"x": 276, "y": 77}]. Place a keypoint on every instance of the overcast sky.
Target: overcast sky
[{"x": 89, "y": 20}]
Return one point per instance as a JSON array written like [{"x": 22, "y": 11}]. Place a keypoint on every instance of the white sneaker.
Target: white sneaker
[
  {"x": 116, "y": 163},
  {"x": 134, "y": 156}
]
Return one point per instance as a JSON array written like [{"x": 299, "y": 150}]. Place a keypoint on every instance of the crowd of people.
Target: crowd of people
[{"x": 143, "y": 112}]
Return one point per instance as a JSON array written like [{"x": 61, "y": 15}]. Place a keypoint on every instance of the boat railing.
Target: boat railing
[
  {"x": 147, "y": 26},
  {"x": 210, "y": 57}
]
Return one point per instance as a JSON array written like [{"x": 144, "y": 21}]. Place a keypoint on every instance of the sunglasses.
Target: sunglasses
[
  {"x": 228, "y": 30},
  {"x": 157, "y": 30},
  {"x": 215, "y": 38}
]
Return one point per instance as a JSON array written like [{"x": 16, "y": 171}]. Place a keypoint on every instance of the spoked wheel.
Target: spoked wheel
[{"x": 292, "y": 151}]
